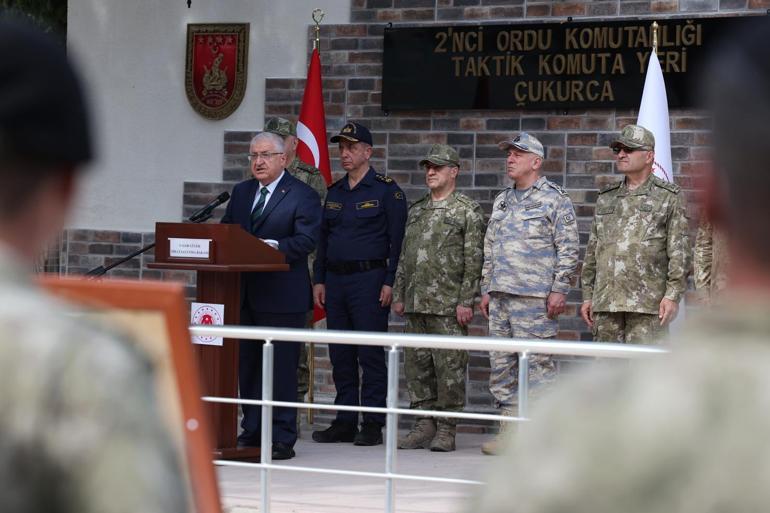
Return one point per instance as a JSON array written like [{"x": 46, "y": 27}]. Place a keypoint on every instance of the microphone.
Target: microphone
[{"x": 204, "y": 213}]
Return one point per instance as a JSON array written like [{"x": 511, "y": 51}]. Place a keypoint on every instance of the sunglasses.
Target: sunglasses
[{"x": 617, "y": 149}]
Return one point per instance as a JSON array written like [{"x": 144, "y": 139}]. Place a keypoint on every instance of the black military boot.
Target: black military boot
[
  {"x": 370, "y": 434},
  {"x": 337, "y": 432}
]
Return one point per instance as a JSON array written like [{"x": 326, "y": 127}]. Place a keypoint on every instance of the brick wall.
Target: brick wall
[{"x": 577, "y": 154}]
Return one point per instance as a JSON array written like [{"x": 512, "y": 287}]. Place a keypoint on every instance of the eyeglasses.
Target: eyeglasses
[
  {"x": 617, "y": 149},
  {"x": 265, "y": 155}
]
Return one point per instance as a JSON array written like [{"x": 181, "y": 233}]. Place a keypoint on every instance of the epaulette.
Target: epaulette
[
  {"x": 383, "y": 178},
  {"x": 307, "y": 167},
  {"x": 669, "y": 186},
  {"x": 555, "y": 186},
  {"x": 610, "y": 187},
  {"x": 466, "y": 200},
  {"x": 424, "y": 199}
]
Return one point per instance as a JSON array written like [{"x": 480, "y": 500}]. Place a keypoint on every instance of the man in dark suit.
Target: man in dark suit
[{"x": 284, "y": 213}]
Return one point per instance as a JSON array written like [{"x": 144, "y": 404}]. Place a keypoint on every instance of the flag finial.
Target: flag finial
[
  {"x": 318, "y": 16},
  {"x": 655, "y": 36}
]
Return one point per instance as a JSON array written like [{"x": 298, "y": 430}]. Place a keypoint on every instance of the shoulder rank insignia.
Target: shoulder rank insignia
[
  {"x": 383, "y": 178},
  {"x": 610, "y": 187},
  {"x": 502, "y": 205}
]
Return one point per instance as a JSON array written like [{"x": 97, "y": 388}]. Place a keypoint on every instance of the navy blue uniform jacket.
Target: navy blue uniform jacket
[{"x": 292, "y": 216}]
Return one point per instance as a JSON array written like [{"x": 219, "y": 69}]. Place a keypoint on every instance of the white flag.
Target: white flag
[{"x": 653, "y": 115}]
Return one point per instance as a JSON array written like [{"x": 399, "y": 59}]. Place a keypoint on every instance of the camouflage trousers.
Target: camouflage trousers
[
  {"x": 631, "y": 327},
  {"x": 518, "y": 317},
  {"x": 435, "y": 378},
  {"x": 303, "y": 367}
]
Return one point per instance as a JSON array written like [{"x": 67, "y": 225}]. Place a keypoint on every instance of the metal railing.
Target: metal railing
[{"x": 394, "y": 342}]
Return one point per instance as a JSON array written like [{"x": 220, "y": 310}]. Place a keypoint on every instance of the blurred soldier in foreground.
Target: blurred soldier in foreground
[
  {"x": 79, "y": 430},
  {"x": 638, "y": 254},
  {"x": 530, "y": 255},
  {"x": 684, "y": 432},
  {"x": 436, "y": 283},
  {"x": 311, "y": 176},
  {"x": 709, "y": 263}
]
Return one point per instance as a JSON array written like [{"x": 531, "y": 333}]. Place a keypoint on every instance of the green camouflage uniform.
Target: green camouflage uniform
[
  {"x": 309, "y": 175},
  {"x": 438, "y": 270},
  {"x": 530, "y": 250},
  {"x": 80, "y": 429},
  {"x": 637, "y": 254},
  {"x": 709, "y": 263},
  {"x": 681, "y": 433}
]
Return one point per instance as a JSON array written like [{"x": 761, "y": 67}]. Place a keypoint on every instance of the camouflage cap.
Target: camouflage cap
[
  {"x": 280, "y": 126},
  {"x": 523, "y": 142},
  {"x": 354, "y": 132},
  {"x": 441, "y": 155},
  {"x": 634, "y": 137}
]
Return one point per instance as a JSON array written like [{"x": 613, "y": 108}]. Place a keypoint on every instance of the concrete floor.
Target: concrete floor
[{"x": 301, "y": 492}]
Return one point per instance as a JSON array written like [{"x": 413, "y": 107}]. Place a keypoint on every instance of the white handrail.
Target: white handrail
[{"x": 394, "y": 341}]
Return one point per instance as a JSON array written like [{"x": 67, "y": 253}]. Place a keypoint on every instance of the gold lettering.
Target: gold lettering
[
  {"x": 515, "y": 65},
  {"x": 544, "y": 66},
  {"x": 569, "y": 39},
  {"x": 458, "y": 63},
  {"x": 688, "y": 34},
  {"x": 577, "y": 91},
  {"x": 520, "y": 97},
  {"x": 503, "y": 40},
  {"x": 440, "y": 48},
  {"x": 591, "y": 92},
  {"x": 607, "y": 94},
  {"x": 684, "y": 60},
  {"x": 642, "y": 58},
  {"x": 617, "y": 66},
  {"x": 672, "y": 62},
  {"x": 516, "y": 40}
]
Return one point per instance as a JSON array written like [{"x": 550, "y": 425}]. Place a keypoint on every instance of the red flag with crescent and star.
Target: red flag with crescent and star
[{"x": 311, "y": 132}]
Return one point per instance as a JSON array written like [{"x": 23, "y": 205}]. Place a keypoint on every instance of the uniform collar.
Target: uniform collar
[
  {"x": 368, "y": 180},
  {"x": 642, "y": 190},
  {"x": 539, "y": 183}
]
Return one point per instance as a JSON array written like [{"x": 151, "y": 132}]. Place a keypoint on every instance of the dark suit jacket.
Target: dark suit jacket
[{"x": 292, "y": 216}]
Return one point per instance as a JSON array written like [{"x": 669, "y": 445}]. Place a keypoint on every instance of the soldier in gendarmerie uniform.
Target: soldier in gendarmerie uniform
[
  {"x": 361, "y": 234},
  {"x": 530, "y": 256},
  {"x": 436, "y": 283},
  {"x": 638, "y": 254},
  {"x": 311, "y": 176}
]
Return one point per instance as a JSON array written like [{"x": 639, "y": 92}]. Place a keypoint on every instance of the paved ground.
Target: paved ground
[{"x": 300, "y": 492}]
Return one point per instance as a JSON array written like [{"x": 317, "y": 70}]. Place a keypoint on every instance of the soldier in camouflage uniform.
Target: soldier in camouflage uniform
[
  {"x": 709, "y": 263},
  {"x": 436, "y": 282},
  {"x": 685, "y": 432},
  {"x": 80, "y": 430},
  {"x": 313, "y": 177},
  {"x": 638, "y": 254},
  {"x": 530, "y": 256}
]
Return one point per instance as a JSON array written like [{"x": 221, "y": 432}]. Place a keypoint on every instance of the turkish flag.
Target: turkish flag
[
  {"x": 311, "y": 132},
  {"x": 311, "y": 127}
]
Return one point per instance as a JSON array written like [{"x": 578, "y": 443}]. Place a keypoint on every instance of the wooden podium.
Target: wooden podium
[{"x": 231, "y": 251}]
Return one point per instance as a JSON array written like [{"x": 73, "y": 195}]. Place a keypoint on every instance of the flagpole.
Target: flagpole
[
  {"x": 654, "y": 37},
  {"x": 318, "y": 16}
]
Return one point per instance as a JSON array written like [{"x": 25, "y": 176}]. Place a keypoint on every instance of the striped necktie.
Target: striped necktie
[{"x": 258, "y": 208}]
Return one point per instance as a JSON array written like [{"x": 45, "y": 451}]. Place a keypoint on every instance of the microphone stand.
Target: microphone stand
[{"x": 101, "y": 270}]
